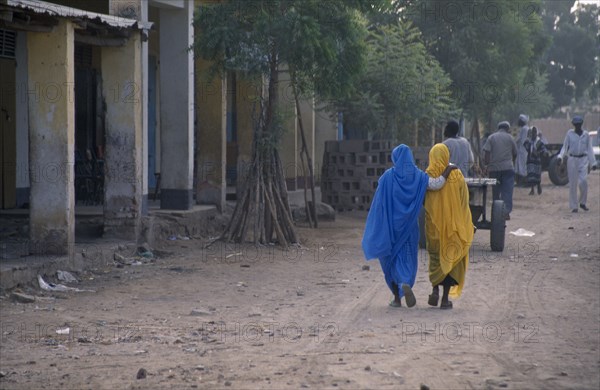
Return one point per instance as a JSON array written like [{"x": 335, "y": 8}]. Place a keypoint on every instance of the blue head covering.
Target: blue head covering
[{"x": 394, "y": 212}]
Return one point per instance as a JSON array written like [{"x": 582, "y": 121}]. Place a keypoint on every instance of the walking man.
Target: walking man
[
  {"x": 499, "y": 151},
  {"x": 461, "y": 154},
  {"x": 521, "y": 163},
  {"x": 578, "y": 147}
]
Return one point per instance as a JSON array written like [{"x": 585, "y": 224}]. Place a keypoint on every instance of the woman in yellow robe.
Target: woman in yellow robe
[{"x": 449, "y": 229}]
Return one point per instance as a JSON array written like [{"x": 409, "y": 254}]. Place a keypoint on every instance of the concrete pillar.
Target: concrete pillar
[
  {"x": 177, "y": 107},
  {"x": 138, "y": 9},
  {"x": 211, "y": 101},
  {"x": 51, "y": 139},
  {"x": 122, "y": 78}
]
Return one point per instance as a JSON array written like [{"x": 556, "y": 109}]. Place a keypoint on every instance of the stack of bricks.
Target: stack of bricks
[{"x": 351, "y": 170}]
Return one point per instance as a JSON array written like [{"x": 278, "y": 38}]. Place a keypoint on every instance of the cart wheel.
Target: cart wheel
[
  {"x": 498, "y": 226},
  {"x": 558, "y": 173},
  {"x": 422, "y": 240}
]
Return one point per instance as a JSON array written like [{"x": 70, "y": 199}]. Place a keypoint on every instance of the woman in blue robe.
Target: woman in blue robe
[{"x": 392, "y": 232}]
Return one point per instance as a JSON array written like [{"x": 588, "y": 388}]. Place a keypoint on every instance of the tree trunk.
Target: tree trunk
[
  {"x": 310, "y": 210},
  {"x": 263, "y": 206}
]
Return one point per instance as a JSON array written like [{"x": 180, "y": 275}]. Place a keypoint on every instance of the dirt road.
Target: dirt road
[{"x": 238, "y": 317}]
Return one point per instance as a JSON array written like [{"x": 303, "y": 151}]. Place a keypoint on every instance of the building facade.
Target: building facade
[{"x": 103, "y": 103}]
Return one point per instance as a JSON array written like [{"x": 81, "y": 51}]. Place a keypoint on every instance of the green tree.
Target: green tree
[
  {"x": 572, "y": 59},
  {"x": 486, "y": 48},
  {"x": 320, "y": 44},
  {"x": 402, "y": 83}
]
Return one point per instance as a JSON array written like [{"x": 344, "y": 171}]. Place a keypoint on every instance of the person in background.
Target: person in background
[
  {"x": 449, "y": 230},
  {"x": 391, "y": 232},
  {"x": 499, "y": 152},
  {"x": 536, "y": 148},
  {"x": 461, "y": 154},
  {"x": 521, "y": 162},
  {"x": 578, "y": 147}
]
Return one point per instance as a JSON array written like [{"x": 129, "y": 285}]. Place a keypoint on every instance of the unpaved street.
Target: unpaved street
[{"x": 238, "y": 317}]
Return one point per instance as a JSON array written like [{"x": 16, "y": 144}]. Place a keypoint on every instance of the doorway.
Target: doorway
[{"x": 8, "y": 134}]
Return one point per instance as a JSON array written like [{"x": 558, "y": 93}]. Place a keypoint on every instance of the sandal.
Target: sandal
[
  {"x": 393, "y": 303},
  {"x": 433, "y": 299},
  {"x": 409, "y": 296},
  {"x": 446, "y": 305}
]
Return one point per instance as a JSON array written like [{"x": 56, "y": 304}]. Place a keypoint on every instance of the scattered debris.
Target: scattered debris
[
  {"x": 145, "y": 251},
  {"x": 520, "y": 232},
  {"x": 63, "y": 331},
  {"x": 141, "y": 374},
  {"x": 146, "y": 254},
  {"x": 199, "y": 312},
  {"x": 66, "y": 277},
  {"x": 58, "y": 287},
  {"x": 175, "y": 238},
  {"x": 22, "y": 298}
]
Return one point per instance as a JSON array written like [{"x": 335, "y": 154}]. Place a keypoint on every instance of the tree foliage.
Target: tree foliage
[
  {"x": 572, "y": 61},
  {"x": 487, "y": 48},
  {"x": 319, "y": 43},
  {"x": 402, "y": 83}
]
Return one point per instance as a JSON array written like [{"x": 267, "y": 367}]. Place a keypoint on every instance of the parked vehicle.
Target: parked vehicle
[{"x": 595, "y": 137}]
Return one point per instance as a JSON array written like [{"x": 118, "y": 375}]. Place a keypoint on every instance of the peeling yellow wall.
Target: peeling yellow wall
[{"x": 52, "y": 137}]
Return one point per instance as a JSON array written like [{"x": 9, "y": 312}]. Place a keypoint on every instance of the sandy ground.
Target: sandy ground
[{"x": 238, "y": 317}]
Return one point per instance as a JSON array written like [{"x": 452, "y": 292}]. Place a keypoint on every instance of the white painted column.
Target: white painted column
[
  {"x": 176, "y": 107},
  {"x": 122, "y": 78},
  {"x": 51, "y": 105}
]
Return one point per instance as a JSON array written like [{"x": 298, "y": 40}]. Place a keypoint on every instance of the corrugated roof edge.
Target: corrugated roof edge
[{"x": 43, "y": 7}]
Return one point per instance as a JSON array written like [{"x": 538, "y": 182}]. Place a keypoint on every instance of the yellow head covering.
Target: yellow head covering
[{"x": 449, "y": 227}]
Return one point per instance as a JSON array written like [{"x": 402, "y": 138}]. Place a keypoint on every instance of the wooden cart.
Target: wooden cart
[{"x": 478, "y": 203}]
